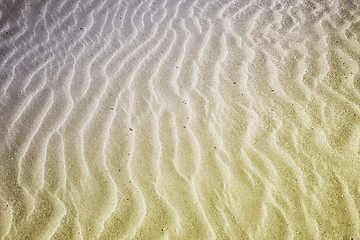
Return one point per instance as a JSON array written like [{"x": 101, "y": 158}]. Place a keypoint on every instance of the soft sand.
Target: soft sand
[{"x": 174, "y": 119}]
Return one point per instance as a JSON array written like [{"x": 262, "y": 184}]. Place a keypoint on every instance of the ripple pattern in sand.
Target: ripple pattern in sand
[{"x": 190, "y": 119}]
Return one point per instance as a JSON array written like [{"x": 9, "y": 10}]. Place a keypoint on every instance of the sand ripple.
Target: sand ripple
[{"x": 188, "y": 119}]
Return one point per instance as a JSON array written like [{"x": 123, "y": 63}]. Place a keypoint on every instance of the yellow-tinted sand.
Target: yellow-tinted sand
[{"x": 171, "y": 119}]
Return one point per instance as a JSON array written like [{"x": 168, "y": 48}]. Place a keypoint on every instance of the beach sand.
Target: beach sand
[{"x": 193, "y": 119}]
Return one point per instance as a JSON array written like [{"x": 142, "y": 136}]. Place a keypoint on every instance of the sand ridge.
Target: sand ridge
[{"x": 192, "y": 119}]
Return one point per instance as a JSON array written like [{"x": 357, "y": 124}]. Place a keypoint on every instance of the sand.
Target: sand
[{"x": 193, "y": 119}]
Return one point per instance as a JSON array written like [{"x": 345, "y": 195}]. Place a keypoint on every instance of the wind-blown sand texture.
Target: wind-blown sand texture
[{"x": 192, "y": 119}]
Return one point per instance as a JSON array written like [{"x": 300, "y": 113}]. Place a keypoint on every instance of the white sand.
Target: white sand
[{"x": 179, "y": 119}]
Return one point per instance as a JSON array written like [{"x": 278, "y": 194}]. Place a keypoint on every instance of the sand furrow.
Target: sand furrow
[{"x": 192, "y": 119}]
